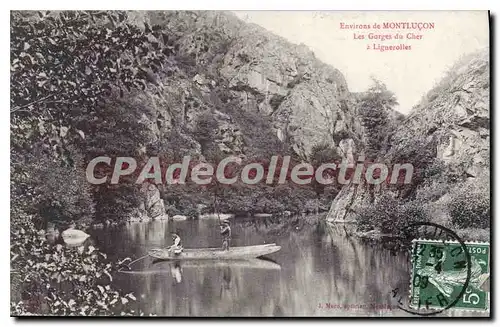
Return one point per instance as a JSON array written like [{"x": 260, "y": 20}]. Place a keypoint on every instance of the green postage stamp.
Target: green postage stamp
[{"x": 440, "y": 275}]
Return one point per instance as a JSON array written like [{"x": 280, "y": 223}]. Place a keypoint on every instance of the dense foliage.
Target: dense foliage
[
  {"x": 57, "y": 280},
  {"x": 64, "y": 65},
  {"x": 65, "y": 68},
  {"x": 470, "y": 207},
  {"x": 60, "y": 194},
  {"x": 88, "y": 83},
  {"x": 390, "y": 215},
  {"x": 375, "y": 107}
]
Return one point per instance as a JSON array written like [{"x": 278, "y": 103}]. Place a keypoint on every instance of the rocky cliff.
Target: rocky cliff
[
  {"x": 261, "y": 94},
  {"x": 306, "y": 101},
  {"x": 448, "y": 132},
  {"x": 456, "y": 113}
]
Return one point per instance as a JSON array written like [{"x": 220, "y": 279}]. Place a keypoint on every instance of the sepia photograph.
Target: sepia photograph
[{"x": 250, "y": 163}]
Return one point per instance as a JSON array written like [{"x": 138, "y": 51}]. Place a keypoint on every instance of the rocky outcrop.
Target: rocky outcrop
[
  {"x": 255, "y": 92},
  {"x": 306, "y": 101},
  {"x": 457, "y": 117},
  {"x": 451, "y": 125},
  {"x": 152, "y": 205}
]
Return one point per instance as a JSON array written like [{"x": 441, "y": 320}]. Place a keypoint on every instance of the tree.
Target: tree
[
  {"x": 64, "y": 64},
  {"x": 322, "y": 153},
  {"x": 374, "y": 107},
  {"x": 119, "y": 131},
  {"x": 206, "y": 131},
  {"x": 61, "y": 193},
  {"x": 65, "y": 69}
]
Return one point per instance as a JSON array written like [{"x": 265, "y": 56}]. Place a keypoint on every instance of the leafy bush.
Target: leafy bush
[
  {"x": 171, "y": 210},
  {"x": 323, "y": 153},
  {"x": 470, "y": 207},
  {"x": 374, "y": 108},
  {"x": 116, "y": 202},
  {"x": 58, "y": 280},
  {"x": 54, "y": 191},
  {"x": 432, "y": 192},
  {"x": 390, "y": 215},
  {"x": 206, "y": 129},
  {"x": 63, "y": 64},
  {"x": 476, "y": 234},
  {"x": 421, "y": 153}
]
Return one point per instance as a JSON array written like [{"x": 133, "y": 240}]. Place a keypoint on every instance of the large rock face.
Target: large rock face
[
  {"x": 305, "y": 101},
  {"x": 456, "y": 113},
  {"x": 452, "y": 123},
  {"x": 257, "y": 94}
]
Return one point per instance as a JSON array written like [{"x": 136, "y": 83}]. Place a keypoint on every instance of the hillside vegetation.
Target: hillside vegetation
[{"x": 447, "y": 139}]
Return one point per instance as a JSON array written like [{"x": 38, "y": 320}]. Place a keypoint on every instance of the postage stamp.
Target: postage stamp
[{"x": 440, "y": 275}]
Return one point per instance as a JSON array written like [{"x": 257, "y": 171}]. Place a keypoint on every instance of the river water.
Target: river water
[{"x": 317, "y": 272}]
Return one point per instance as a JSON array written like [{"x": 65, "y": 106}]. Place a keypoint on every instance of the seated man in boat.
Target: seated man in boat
[
  {"x": 225, "y": 231},
  {"x": 176, "y": 248}
]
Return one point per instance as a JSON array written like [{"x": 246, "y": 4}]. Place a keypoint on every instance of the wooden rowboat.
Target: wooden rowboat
[{"x": 239, "y": 252}]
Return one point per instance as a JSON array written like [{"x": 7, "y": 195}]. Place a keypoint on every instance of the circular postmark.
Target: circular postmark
[{"x": 440, "y": 269}]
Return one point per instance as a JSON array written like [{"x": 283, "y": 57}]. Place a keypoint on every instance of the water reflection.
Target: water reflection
[{"x": 317, "y": 272}]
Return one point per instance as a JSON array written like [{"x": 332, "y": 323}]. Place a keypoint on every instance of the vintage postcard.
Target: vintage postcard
[{"x": 250, "y": 164}]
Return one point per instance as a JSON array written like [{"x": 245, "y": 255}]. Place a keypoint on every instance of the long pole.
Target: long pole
[
  {"x": 119, "y": 270},
  {"x": 216, "y": 204}
]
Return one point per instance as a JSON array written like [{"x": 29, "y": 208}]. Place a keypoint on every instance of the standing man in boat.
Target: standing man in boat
[
  {"x": 225, "y": 231},
  {"x": 176, "y": 248}
]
